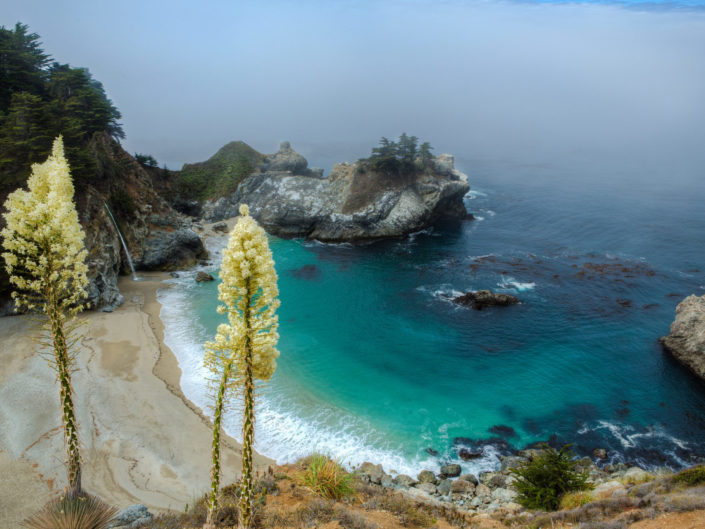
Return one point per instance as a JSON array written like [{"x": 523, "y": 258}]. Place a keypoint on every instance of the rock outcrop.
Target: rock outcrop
[
  {"x": 157, "y": 236},
  {"x": 686, "y": 342},
  {"x": 480, "y": 299},
  {"x": 352, "y": 203}
]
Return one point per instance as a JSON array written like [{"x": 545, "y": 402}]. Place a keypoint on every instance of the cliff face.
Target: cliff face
[
  {"x": 156, "y": 235},
  {"x": 686, "y": 342},
  {"x": 350, "y": 204}
]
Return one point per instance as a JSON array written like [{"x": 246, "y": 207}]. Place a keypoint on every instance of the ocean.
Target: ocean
[{"x": 378, "y": 364}]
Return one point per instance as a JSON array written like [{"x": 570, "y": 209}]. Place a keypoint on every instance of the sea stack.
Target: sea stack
[{"x": 686, "y": 342}]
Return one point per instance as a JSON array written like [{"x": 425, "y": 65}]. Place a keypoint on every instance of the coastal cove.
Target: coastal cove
[{"x": 379, "y": 365}]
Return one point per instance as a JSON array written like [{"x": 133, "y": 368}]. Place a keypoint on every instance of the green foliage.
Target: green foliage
[
  {"x": 146, "y": 159},
  {"x": 543, "y": 481},
  {"x": 325, "y": 477},
  {"x": 39, "y": 101},
  {"x": 220, "y": 175},
  {"x": 691, "y": 476},
  {"x": 398, "y": 158},
  {"x": 81, "y": 511},
  {"x": 122, "y": 204}
]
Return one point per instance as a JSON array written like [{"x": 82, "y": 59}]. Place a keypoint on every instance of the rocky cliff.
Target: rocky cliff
[
  {"x": 352, "y": 203},
  {"x": 686, "y": 342},
  {"x": 158, "y": 237}
]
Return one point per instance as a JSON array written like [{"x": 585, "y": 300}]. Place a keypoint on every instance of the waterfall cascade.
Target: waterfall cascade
[{"x": 122, "y": 240}]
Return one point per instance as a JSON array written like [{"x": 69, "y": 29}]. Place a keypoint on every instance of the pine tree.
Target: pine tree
[
  {"x": 22, "y": 63},
  {"x": 45, "y": 259},
  {"x": 244, "y": 349}
]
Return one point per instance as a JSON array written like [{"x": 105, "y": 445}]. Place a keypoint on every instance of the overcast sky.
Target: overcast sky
[{"x": 489, "y": 80}]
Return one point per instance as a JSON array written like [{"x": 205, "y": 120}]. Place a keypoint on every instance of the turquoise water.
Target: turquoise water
[{"x": 377, "y": 364}]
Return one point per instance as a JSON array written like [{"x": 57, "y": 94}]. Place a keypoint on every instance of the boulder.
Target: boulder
[
  {"x": 504, "y": 495},
  {"x": 428, "y": 488},
  {"x": 132, "y": 517},
  {"x": 493, "y": 479},
  {"x": 202, "y": 277},
  {"x": 480, "y": 299},
  {"x": 167, "y": 249},
  {"x": 426, "y": 476},
  {"x": 511, "y": 462},
  {"x": 686, "y": 341},
  {"x": 371, "y": 473},
  {"x": 470, "y": 478},
  {"x": 402, "y": 480},
  {"x": 450, "y": 471},
  {"x": 444, "y": 486},
  {"x": 599, "y": 453},
  {"x": 607, "y": 488},
  {"x": 460, "y": 486}
]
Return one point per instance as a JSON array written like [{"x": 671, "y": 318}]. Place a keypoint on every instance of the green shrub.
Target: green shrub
[
  {"x": 326, "y": 477},
  {"x": 543, "y": 481},
  {"x": 691, "y": 476},
  {"x": 122, "y": 204}
]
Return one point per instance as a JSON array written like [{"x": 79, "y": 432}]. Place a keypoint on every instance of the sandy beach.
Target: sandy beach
[{"x": 142, "y": 441}]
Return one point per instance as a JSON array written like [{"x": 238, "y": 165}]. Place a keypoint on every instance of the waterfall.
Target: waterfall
[{"x": 122, "y": 240}]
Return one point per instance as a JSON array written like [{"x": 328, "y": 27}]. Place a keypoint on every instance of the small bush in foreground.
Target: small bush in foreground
[
  {"x": 691, "y": 476},
  {"x": 543, "y": 481},
  {"x": 326, "y": 477},
  {"x": 73, "y": 511}
]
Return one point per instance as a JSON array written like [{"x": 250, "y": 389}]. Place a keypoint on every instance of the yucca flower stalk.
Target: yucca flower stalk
[
  {"x": 244, "y": 349},
  {"x": 45, "y": 259}
]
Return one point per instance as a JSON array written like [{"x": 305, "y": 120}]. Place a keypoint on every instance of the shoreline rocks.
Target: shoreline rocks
[
  {"x": 686, "y": 341},
  {"x": 494, "y": 491}
]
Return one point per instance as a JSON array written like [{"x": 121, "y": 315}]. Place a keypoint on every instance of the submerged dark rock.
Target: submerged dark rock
[
  {"x": 480, "y": 299},
  {"x": 503, "y": 430},
  {"x": 473, "y": 446},
  {"x": 468, "y": 455},
  {"x": 308, "y": 271}
]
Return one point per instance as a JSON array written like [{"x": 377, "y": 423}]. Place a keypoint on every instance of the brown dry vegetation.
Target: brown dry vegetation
[{"x": 670, "y": 502}]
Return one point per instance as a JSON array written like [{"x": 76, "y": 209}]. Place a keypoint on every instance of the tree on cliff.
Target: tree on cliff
[
  {"x": 40, "y": 100},
  {"x": 399, "y": 158},
  {"x": 244, "y": 349},
  {"x": 45, "y": 259}
]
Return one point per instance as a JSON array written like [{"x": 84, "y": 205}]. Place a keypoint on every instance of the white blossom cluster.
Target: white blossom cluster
[
  {"x": 249, "y": 295},
  {"x": 45, "y": 255}
]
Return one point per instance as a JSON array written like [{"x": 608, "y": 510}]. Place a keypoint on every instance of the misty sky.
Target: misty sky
[{"x": 519, "y": 82}]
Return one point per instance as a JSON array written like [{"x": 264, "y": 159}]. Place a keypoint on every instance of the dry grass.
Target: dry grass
[{"x": 576, "y": 499}]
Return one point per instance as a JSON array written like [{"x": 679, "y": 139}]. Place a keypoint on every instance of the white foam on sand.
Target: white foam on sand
[{"x": 284, "y": 432}]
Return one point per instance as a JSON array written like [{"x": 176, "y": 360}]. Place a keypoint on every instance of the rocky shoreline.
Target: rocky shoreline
[{"x": 492, "y": 491}]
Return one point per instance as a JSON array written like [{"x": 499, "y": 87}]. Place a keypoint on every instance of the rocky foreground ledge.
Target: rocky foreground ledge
[
  {"x": 493, "y": 491},
  {"x": 352, "y": 203},
  {"x": 686, "y": 342}
]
